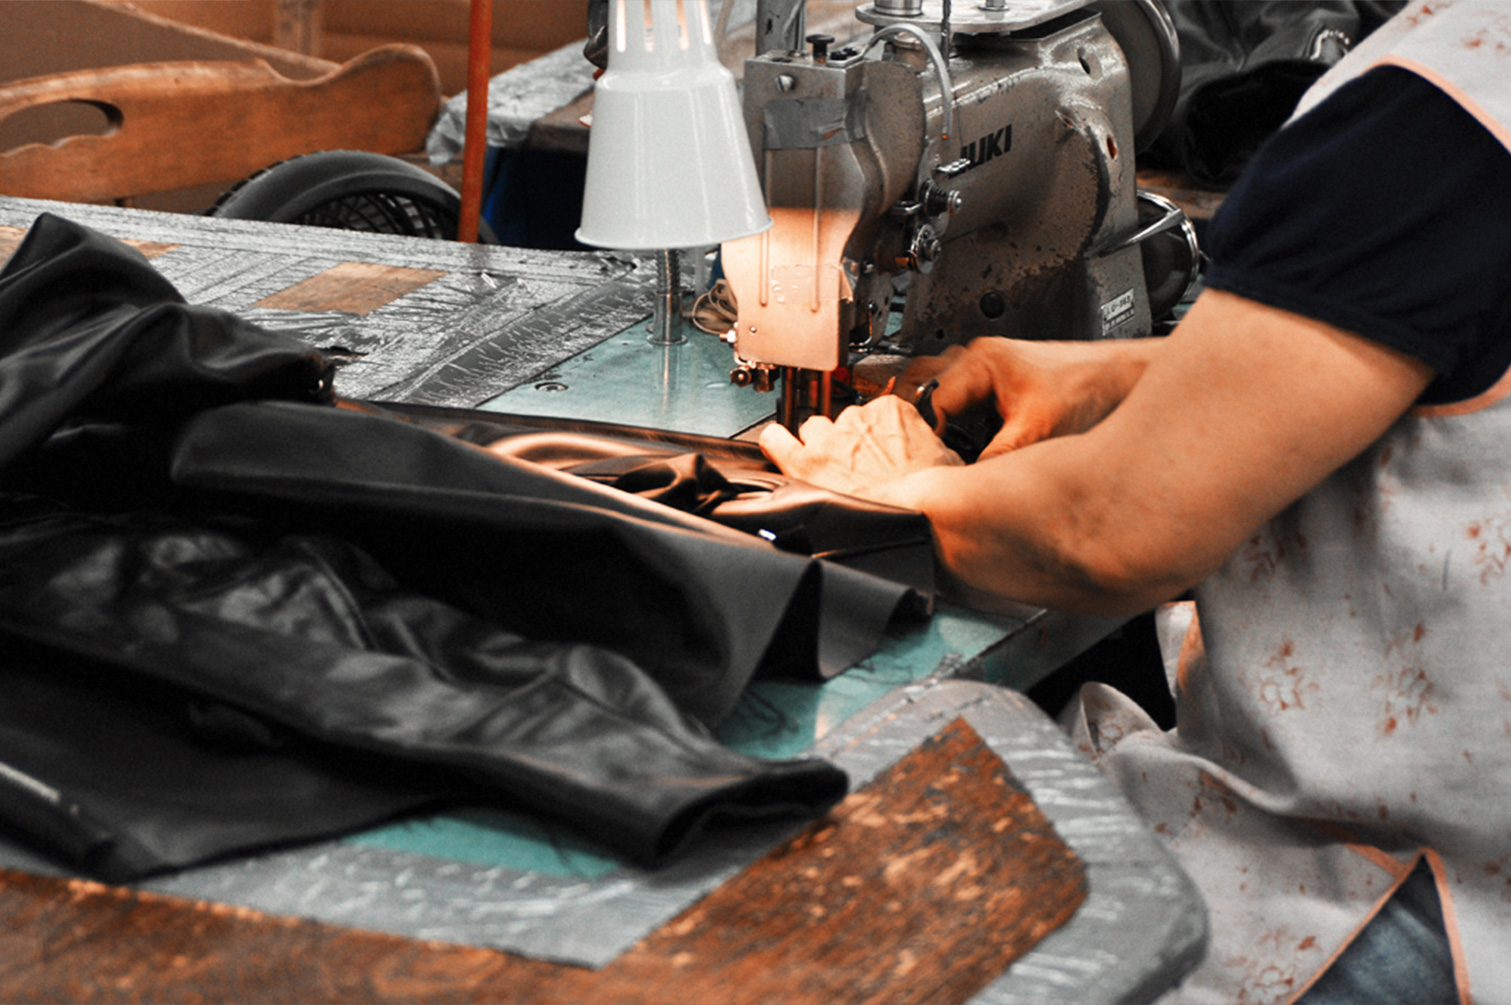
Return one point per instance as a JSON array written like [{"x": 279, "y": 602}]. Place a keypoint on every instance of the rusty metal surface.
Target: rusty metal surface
[{"x": 489, "y": 320}]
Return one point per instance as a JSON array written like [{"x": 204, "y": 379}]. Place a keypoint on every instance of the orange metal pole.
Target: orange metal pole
[{"x": 475, "y": 143}]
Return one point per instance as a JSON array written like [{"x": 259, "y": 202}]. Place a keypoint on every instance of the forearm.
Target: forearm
[
  {"x": 1099, "y": 375},
  {"x": 1201, "y": 437},
  {"x": 1245, "y": 409},
  {"x": 1037, "y": 526},
  {"x": 1018, "y": 523}
]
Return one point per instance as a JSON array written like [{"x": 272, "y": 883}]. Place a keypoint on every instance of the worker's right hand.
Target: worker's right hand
[{"x": 1040, "y": 389}]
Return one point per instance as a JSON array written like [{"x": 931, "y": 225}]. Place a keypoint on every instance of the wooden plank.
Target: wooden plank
[
  {"x": 541, "y": 25},
  {"x": 10, "y": 239},
  {"x": 342, "y": 29},
  {"x": 43, "y": 37},
  {"x": 152, "y": 249},
  {"x": 177, "y": 125},
  {"x": 351, "y": 287},
  {"x": 450, "y": 57},
  {"x": 297, "y": 25},
  {"x": 922, "y": 886},
  {"x": 245, "y": 19}
]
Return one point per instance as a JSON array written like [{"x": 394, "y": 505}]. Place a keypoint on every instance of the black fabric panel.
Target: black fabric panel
[
  {"x": 1244, "y": 65},
  {"x": 310, "y": 635},
  {"x": 701, "y": 607},
  {"x": 732, "y": 484},
  {"x": 89, "y": 330},
  {"x": 250, "y": 617},
  {"x": 123, "y": 776}
]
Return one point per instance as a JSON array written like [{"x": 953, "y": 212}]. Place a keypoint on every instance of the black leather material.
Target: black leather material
[
  {"x": 701, "y": 607},
  {"x": 1244, "y": 65},
  {"x": 298, "y": 648},
  {"x": 233, "y": 615},
  {"x": 729, "y": 482}
]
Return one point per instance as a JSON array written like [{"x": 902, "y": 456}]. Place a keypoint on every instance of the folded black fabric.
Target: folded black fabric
[
  {"x": 301, "y": 648},
  {"x": 1244, "y": 66},
  {"x": 699, "y": 606},
  {"x": 237, "y": 615},
  {"x": 728, "y": 481},
  {"x": 89, "y": 329},
  {"x": 118, "y": 775}
]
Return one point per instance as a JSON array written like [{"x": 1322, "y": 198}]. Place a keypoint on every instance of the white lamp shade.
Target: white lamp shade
[{"x": 669, "y": 162}]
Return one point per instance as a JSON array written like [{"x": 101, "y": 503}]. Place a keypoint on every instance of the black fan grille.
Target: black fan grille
[{"x": 383, "y": 213}]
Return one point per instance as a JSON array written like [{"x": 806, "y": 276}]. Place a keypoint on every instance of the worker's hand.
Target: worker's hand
[
  {"x": 923, "y": 370},
  {"x": 1040, "y": 389},
  {"x": 867, "y": 451}
]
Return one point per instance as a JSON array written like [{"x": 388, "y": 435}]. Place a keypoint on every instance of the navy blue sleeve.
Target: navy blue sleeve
[{"x": 1384, "y": 211}]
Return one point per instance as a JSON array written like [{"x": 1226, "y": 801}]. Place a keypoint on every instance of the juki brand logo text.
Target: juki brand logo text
[{"x": 979, "y": 151}]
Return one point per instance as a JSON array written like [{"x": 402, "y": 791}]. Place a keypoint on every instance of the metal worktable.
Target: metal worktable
[{"x": 550, "y": 333}]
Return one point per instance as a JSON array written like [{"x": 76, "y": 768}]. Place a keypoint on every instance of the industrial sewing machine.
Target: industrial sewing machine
[{"x": 974, "y": 160}]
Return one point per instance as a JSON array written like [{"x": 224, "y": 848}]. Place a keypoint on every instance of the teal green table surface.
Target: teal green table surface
[
  {"x": 683, "y": 387},
  {"x": 780, "y": 719}
]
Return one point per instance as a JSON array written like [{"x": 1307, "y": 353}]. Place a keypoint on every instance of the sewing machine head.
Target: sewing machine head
[{"x": 975, "y": 162}]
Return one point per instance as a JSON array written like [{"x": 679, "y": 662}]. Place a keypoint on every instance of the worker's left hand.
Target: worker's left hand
[{"x": 867, "y": 451}]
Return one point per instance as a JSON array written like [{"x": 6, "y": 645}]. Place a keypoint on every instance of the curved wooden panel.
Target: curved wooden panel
[{"x": 175, "y": 125}]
